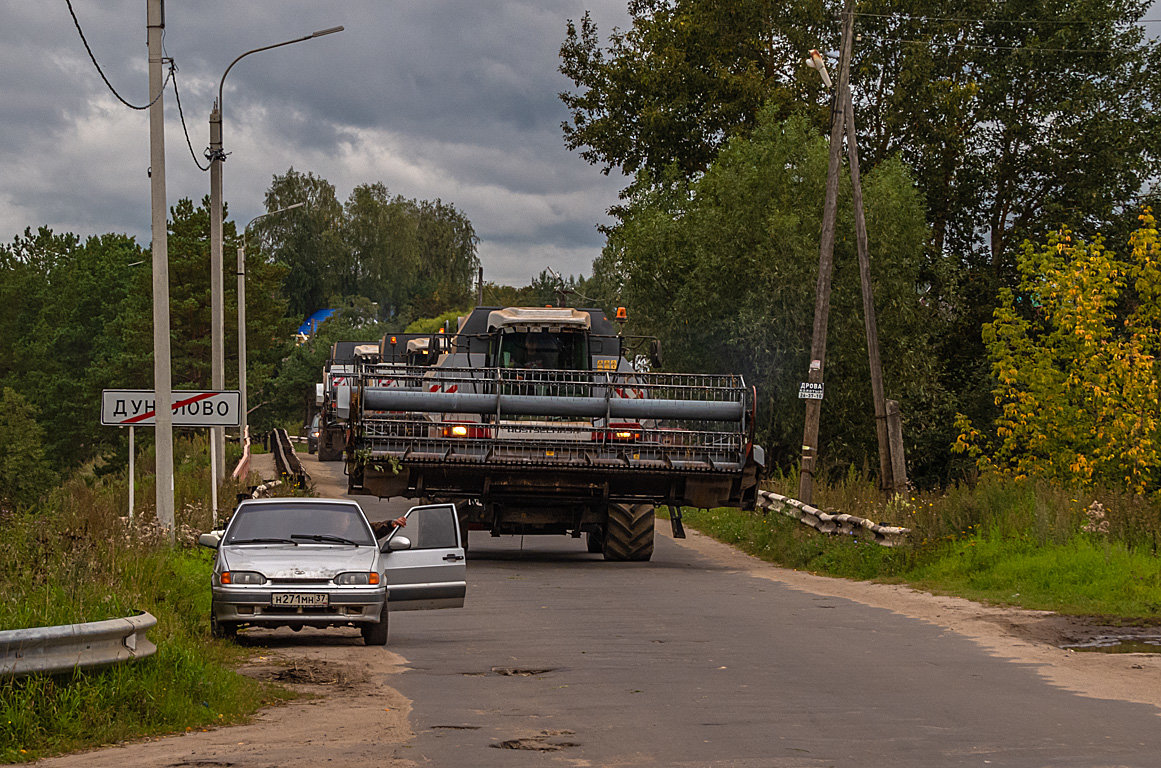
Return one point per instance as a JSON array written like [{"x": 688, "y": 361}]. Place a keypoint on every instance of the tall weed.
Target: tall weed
[{"x": 1008, "y": 541}]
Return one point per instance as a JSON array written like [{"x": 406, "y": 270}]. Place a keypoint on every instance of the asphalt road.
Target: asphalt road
[{"x": 689, "y": 660}]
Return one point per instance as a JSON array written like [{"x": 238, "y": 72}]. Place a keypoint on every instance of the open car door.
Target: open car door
[{"x": 423, "y": 562}]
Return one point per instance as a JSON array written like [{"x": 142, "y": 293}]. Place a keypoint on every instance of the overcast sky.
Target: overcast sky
[{"x": 444, "y": 99}]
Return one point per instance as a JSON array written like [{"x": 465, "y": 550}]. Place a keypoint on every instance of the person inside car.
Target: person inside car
[{"x": 385, "y": 527}]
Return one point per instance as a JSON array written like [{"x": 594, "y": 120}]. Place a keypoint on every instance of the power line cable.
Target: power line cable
[
  {"x": 177, "y": 96},
  {"x": 1020, "y": 48},
  {"x": 102, "y": 73},
  {"x": 965, "y": 20}
]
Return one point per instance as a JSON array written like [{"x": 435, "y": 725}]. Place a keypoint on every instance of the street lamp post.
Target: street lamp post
[
  {"x": 217, "y": 312},
  {"x": 242, "y": 310}
]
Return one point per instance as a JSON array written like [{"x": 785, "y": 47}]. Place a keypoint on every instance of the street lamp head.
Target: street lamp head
[{"x": 329, "y": 31}]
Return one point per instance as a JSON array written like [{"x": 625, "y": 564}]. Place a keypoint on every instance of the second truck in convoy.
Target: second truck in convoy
[{"x": 535, "y": 421}]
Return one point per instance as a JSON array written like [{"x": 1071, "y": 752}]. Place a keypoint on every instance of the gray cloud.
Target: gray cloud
[{"x": 441, "y": 99}]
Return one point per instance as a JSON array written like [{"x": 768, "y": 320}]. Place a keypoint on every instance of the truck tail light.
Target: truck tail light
[
  {"x": 627, "y": 432},
  {"x": 464, "y": 430}
]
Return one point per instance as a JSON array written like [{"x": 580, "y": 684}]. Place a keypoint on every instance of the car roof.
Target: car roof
[{"x": 297, "y": 500}]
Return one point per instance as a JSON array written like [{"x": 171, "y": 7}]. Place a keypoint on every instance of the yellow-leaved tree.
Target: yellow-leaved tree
[{"x": 1076, "y": 383}]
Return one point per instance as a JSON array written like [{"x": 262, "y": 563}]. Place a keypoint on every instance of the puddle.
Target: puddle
[{"x": 1119, "y": 644}]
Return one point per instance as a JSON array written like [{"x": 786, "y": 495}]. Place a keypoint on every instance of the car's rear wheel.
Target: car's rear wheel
[
  {"x": 376, "y": 634},
  {"x": 219, "y": 629}
]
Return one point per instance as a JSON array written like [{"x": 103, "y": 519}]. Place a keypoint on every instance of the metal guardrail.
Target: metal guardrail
[
  {"x": 242, "y": 471},
  {"x": 885, "y": 535},
  {"x": 286, "y": 459},
  {"x": 67, "y": 647}
]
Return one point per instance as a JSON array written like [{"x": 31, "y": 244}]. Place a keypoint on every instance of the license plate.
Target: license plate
[{"x": 295, "y": 599}]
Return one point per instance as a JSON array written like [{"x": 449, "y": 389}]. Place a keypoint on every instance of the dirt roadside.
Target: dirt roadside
[{"x": 368, "y": 729}]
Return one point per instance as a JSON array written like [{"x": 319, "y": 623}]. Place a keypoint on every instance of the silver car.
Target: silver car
[{"x": 316, "y": 562}]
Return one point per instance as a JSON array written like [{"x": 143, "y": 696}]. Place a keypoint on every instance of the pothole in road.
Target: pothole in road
[
  {"x": 1118, "y": 644},
  {"x": 538, "y": 743},
  {"x": 456, "y": 727},
  {"x": 517, "y": 672}
]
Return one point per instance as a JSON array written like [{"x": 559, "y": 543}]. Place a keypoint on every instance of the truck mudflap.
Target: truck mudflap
[{"x": 518, "y": 435}]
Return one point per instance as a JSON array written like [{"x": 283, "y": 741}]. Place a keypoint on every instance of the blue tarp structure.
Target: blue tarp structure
[{"x": 312, "y": 323}]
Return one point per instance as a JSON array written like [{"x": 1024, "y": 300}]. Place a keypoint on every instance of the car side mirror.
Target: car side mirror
[
  {"x": 396, "y": 543},
  {"x": 211, "y": 539}
]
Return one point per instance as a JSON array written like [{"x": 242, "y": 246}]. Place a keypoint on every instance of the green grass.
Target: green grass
[
  {"x": 1003, "y": 542},
  {"x": 73, "y": 558}
]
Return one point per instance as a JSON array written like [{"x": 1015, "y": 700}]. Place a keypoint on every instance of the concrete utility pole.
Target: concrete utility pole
[
  {"x": 825, "y": 265},
  {"x": 242, "y": 335},
  {"x": 217, "y": 157},
  {"x": 162, "y": 373},
  {"x": 217, "y": 311}
]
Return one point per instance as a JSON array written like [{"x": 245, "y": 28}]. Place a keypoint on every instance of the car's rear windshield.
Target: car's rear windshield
[{"x": 297, "y": 522}]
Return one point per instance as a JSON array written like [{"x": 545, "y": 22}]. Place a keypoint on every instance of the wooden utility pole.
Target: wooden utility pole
[
  {"x": 892, "y": 474},
  {"x": 887, "y": 480},
  {"x": 825, "y": 264}
]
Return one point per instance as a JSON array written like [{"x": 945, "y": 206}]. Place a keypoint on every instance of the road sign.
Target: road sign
[
  {"x": 135, "y": 408},
  {"x": 810, "y": 391}
]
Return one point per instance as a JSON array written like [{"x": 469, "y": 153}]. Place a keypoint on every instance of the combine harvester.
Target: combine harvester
[{"x": 534, "y": 421}]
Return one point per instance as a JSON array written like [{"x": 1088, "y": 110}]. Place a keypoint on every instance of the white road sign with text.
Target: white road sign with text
[{"x": 135, "y": 408}]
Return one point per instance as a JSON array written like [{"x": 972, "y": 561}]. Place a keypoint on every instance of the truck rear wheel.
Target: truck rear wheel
[{"x": 629, "y": 532}]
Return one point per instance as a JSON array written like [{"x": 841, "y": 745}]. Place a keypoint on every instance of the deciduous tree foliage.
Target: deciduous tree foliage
[
  {"x": 291, "y": 393},
  {"x": 1011, "y": 113},
  {"x": 686, "y": 76},
  {"x": 413, "y": 258},
  {"x": 723, "y": 271},
  {"x": 1075, "y": 378},
  {"x": 306, "y": 240},
  {"x": 1013, "y": 116}
]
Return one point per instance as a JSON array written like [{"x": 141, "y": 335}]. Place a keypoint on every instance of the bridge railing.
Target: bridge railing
[{"x": 884, "y": 535}]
